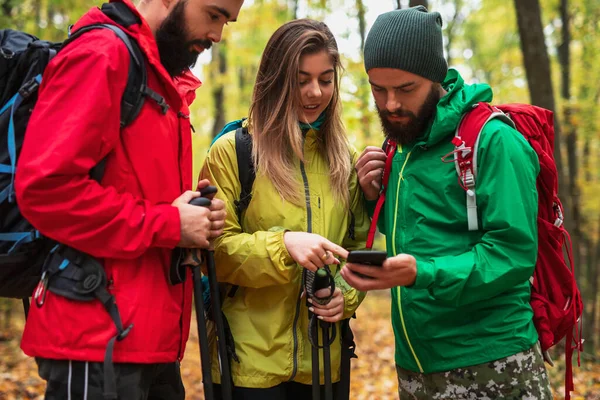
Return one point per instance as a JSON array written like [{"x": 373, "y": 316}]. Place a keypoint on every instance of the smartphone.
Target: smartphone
[{"x": 374, "y": 258}]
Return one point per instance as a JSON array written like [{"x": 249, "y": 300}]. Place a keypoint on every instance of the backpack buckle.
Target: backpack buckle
[
  {"x": 6, "y": 53},
  {"x": 157, "y": 98},
  {"x": 559, "y": 216},
  {"x": 124, "y": 334},
  {"x": 28, "y": 88},
  {"x": 39, "y": 295},
  {"x": 469, "y": 178},
  {"x": 163, "y": 105}
]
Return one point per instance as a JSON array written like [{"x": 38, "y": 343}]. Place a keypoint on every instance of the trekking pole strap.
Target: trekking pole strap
[{"x": 313, "y": 283}]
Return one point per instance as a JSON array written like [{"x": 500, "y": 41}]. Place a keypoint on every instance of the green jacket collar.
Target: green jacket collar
[{"x": 460, "y": 97}]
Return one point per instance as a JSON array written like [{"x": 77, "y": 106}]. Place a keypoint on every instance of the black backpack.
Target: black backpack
[{"x": 23, "y": 59}]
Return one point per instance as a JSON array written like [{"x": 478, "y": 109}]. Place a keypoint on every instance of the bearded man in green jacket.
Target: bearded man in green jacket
[{"x": 460, "y": 299}]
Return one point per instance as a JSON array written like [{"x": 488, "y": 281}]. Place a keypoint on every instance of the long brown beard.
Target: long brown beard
[{"x": 408, "y": 132}]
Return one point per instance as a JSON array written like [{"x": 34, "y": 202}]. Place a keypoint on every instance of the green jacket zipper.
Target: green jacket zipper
[{"x": 394, "y": 230}]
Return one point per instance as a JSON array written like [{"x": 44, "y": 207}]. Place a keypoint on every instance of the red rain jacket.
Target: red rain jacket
[{"x": 127, "y": 221}]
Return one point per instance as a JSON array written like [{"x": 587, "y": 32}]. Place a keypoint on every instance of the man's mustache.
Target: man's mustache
[
  {"x": 399, "y": 113},
  {"x": 205, "y": 44}
]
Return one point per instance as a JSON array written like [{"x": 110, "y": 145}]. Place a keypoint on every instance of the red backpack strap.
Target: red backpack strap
[
  {"x": 390, "y": 151},
  {"x": 466, "y": 143}
]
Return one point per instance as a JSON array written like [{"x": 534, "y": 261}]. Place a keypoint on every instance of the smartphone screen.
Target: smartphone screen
[{"x": 374, "y": 258}]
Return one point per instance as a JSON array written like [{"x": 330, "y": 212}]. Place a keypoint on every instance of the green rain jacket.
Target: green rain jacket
[{"x": 470, "y": 301}]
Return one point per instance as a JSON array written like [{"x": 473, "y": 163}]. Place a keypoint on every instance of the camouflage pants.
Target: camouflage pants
[{"x": 521, "y": 376}]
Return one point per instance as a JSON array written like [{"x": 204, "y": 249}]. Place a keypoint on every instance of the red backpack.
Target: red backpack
[{"x": 555, "y": 298}]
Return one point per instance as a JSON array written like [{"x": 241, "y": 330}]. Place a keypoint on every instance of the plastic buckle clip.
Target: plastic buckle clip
[
  {"x": 28, "y": 88},
  {"x": 39, "y": 295},
  {"x": 124, "y": 334}
]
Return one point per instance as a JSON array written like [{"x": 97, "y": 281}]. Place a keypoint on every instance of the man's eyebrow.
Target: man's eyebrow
[
  {"x": 223, "y": 12},
  {"x": 322, "y": 73},
  {"x": 404, "y": 85}
]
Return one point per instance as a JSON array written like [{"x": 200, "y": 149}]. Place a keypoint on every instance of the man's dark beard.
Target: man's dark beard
[
  {"x": 173, "y": 46},
  {"x": 405, "y": 133}
]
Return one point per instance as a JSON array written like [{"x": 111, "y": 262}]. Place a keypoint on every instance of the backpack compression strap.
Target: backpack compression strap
[{"x": 390, "y": 151}]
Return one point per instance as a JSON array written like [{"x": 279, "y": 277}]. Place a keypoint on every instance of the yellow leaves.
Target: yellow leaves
[{"x": 373, "y": 373}]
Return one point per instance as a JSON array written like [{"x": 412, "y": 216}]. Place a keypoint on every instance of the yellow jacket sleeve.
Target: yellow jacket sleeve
[
  {"x": 251, "y": 260},
  {"x": 355, "y": 238}
]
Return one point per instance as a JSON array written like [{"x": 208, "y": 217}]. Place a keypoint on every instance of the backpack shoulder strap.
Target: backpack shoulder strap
[
  {"x": 466, "y": 143},
  {"x": 390, "y": 147},
  {"x": 136, "y": 89},
  {"x": 243, "y": 149},
  {"x": 233, "y": 125},
  {"x": 133, "y": 96}
]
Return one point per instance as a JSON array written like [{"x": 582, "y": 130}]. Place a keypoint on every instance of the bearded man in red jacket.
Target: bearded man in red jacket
[{"x": 135, "y": 216}]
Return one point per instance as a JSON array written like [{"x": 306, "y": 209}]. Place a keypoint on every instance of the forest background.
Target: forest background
[{"x": 543, "y": 52}]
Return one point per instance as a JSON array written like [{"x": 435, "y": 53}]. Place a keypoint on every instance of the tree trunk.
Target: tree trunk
[
  {"x": 537, "y": 68},
  {"x": 585, "y": 162},
  {"x": 362, "y": 24},
  {"x": 6, "y": 7},
  {"x": 219, "y": 59},
  {"x": 592, "y": 301},
  {"x": 414, "y": 3},
  {"x": 452, "y": 24},
  {"x": 38, "y": 18},
  {"x": 564, "y": 53},
  {"x": 363, "y": 92},
  {"x": 574, "y": 224}
]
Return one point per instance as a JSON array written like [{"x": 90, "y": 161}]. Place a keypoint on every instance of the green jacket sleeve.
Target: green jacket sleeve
[
  {"x": 249, "y": 260},
  {"x": 507, "y": 207},
  {"x": 355, "y": 239}
]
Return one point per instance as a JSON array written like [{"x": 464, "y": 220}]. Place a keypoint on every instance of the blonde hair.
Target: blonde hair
[{"x": 273, "y": 117}]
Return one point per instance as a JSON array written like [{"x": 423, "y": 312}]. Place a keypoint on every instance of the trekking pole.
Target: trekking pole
[
  {"x": 326, "y": 326},
  {"x": 226, "y": 382},
  {"x": 316, "y": 386},
  {"x": 313, "y": 282},
  {"x": 213, "y": 284},
  {"x": 322, "y": 281},
  {"x": 177, "y": 275},
  {"x": 205, "y": 362}
]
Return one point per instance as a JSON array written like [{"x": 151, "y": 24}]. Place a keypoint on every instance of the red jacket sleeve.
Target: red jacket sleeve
[{"x": 75, "y": 124}]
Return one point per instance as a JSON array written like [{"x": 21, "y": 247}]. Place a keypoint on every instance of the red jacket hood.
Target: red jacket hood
[{"x": 186, "y": 83}]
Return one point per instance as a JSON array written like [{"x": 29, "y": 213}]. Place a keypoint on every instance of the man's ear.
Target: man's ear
[{"x": 169, "y": 4}]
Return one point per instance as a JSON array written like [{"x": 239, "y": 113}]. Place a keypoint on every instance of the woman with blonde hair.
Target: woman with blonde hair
[{"x": 306, "y": 211}]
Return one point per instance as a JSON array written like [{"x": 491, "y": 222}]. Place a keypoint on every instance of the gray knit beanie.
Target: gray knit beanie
[{"x": 409, "y": 39}]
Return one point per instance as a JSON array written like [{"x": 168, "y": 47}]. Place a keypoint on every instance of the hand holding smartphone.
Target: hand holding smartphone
[{"x": 373, "y": 258}]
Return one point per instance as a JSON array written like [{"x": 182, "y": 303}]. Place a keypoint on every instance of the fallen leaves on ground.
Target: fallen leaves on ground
[{"x": 373, "y": 373}]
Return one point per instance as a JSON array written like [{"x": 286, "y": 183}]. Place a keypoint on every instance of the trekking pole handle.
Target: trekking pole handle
[
  {"x": 200, "y": 201},
  {"x": 203, "y": 201},
  {"x": 323, "y": 280}
]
